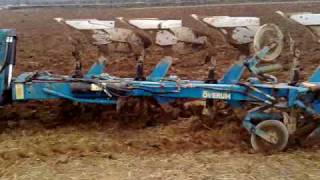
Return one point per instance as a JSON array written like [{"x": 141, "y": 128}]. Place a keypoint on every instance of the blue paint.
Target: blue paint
[
  {"x": 81, "y": 100},
  {"x": 315, "y": 77},
  {"x": 96, "y": 69},
  {"x": 160, "y": 70},
  {"x": 233, "y": 75},
  {"x": 7, "y": 61},
  {"x": 3, "y": 56}
]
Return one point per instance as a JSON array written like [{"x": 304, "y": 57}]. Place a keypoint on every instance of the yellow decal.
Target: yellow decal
[
  {"x": 95, "y": 87},
  {"x": 19, "y": 91}
]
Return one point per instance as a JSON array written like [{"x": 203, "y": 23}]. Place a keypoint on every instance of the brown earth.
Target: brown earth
[{"x": 58, "y": 140}]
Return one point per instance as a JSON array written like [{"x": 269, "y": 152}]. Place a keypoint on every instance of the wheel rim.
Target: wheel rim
[
  {"x": 267, "y": 34},
  {"x": 274, "y": 128}
]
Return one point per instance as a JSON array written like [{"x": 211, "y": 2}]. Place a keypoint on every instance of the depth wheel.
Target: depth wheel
[
  {"x": 265, "y": 36},
  {"x": 274, "y": 128}
]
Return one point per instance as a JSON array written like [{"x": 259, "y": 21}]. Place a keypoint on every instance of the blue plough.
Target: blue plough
[{"x": 280, "y": 110}]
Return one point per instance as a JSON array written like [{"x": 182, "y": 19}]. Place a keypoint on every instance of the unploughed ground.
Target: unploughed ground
[{"x": 59, "y": 140}]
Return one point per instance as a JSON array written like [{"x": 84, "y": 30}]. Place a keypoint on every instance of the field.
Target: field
[{"x": 60, "y": 140}]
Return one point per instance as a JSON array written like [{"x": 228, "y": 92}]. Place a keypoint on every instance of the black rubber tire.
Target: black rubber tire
[{"x": 281, "y": 131}]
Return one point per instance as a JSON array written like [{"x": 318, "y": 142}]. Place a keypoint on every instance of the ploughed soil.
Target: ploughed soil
[{"x": 61, "y": 140}]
